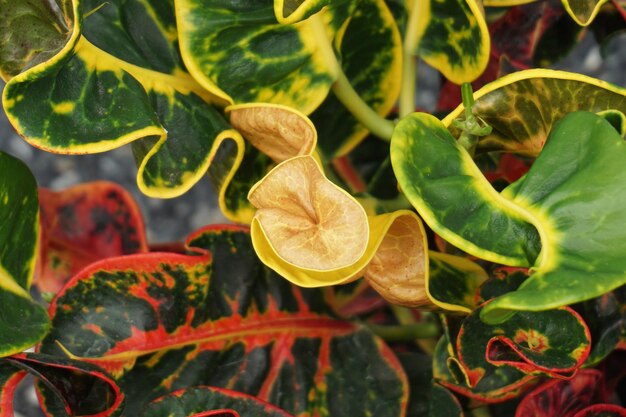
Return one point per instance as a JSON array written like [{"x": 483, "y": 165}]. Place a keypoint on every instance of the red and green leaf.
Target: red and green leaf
[
  {"x": 163, "y": 322},
  {"x": 555, "y": 342},
  {"x": 211, "y": 401},
  {"x": 563, "y": 397},
  {"x": 23, "y": 322},
  {"x": 68, "y": 387},
  {"x": 84, "y": 224},
  {"x": 602, "y": 410}
]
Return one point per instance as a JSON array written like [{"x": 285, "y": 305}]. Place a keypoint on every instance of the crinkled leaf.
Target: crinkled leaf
[
  {"x": 562, "y": 397},
  {"x": 452, "y": 36},
  {"x": 23, "y": 322},
  {"x": 522, "y": 108},
  {"x": 68, "y": 387},
  {"x": 241, "y": 53},
  {"x": 453, "y": 197},
  {"x": 554, "y": 342},
  {"x": 112, "y": 84},
  {"x": 210, "y": 401},
  {"x": 583, "y": 11},
  {"x": 84, "y": 224},
  {"x": 372, "y": 62},
  {"x": 496, "y": 385},
  {"x": 163, "y": 322}
]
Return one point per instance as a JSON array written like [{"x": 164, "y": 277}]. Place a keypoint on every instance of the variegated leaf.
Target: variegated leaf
[{"x": 164, "y": 322}]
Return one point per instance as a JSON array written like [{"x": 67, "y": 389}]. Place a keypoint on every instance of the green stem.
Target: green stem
[
  {"x": 405, "y": 332},
  {"x": 409, "y": 65},
  {"x": 376, "y": 124},
  {"x": 344, "y": 91},
  {"x": 467, "y": 95}
]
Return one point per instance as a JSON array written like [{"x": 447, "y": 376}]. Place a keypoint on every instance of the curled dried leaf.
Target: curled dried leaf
[
  {"x": 278, "y": 131},
  {"x": 309, "y": 221},
  {"x": 398, "y": 270}
]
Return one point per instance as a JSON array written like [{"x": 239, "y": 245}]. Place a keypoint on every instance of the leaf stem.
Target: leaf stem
[
  {"x": 409, "y": 64},
  {"x": 344, "y": 91},
  {"x": 481, "y": 412}
]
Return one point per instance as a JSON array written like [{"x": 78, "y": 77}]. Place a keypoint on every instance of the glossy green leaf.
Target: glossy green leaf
[
  {"x": 23, "y": 322},
  {"x": 523, "y": 107},
  {"x": 242, "y": 54},
  {"x": 554, "y": 342},
  {"x": 68, "y": 388},
  {"x": 562, "y": 397},
  {"x": 201, "y": 401},
  {"x": 566, "y": 202},
  {"x": 31, "y": 33},
  {"x": 583, "y": 11},
  {"x": 134, "y": 77},
  {"x": 451, "y": 194},
  {"x": 372, "y": 62},
  {"x": 452, "y": 36},
  {"x": 84, "y": 224},
  {"x": 163, "y": 322}
]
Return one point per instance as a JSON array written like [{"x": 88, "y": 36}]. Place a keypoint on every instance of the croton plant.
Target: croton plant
[{"x": 381, "y": 261}]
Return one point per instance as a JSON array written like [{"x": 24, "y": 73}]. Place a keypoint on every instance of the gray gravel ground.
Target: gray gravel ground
[{"x": 171, "y": 220}]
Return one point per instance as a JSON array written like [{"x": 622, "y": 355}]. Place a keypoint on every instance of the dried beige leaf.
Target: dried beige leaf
[
  {"x": 398, "y": 270},
  {"x": 309, "y": 221},
  {"x": 278, "y": 131}
]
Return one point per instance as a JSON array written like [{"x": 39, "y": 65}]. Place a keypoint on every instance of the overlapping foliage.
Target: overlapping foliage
[{"x": 396, "y": 264}]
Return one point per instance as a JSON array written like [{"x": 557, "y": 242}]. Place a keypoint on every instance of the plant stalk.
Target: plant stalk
[
  {"x": 344, "y": 91},
  {"x": 409, "y": 64}
]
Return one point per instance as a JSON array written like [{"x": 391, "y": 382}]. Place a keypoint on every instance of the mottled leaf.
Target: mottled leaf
[
  {"x": 371, "y": 60},
  {"x": 452, "y": 36},
  {"x": 83, "y": 224},
  {"x": 562, "y": 397},
  {"x": 522, "y": 108},
  {"x": 23, "y": 322},
  {"x": 554, "y": 342},
  {"x": 292, "y": 11},
  {"x": 241, "y": 53},
  {"x": 210, "y": 401},
  {"x": 453, "y": 197},
  {"x": 112, "y": 84},
  {"x": 164, "y": 322}
]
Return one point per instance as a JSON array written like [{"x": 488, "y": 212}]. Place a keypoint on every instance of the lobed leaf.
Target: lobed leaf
[
  {"x": 451, "y": 36},
  {"x": 23, "y": 321},
  {"x": 135, "y": 78},
  {"x": 211, "y": 401},
  {"x": 522, "y": 108},
  {"x": 164, "y": 322},
  {"x": 84, "y": 224}
]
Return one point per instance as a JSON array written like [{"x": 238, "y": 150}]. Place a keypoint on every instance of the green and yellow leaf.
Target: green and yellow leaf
[
  {"x": 523, "y": 107},
  {"x": 110, "y": 85},
  {"x": 256, "y": 58},
  {"x": 23, "y": 322},
  {"x": 452, "y": 36},
  {"x": 293, "y": 11},
  {"x": 371, "y": 60},
  {"x": 583, "y": 11}
]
